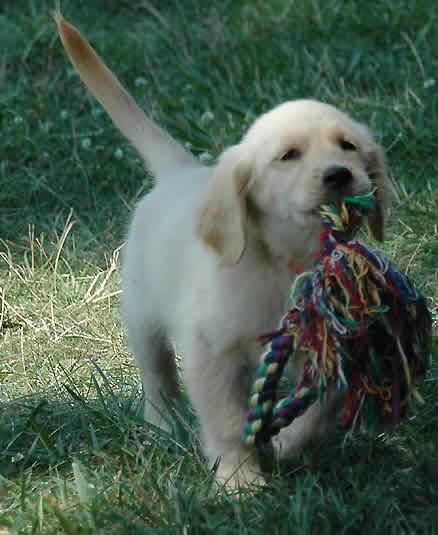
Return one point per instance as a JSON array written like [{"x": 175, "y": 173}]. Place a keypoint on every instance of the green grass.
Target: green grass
[{"x": 75, "y": 456}]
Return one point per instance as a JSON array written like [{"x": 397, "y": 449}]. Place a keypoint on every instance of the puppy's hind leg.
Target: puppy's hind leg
[{"x": 156, "y": 361}]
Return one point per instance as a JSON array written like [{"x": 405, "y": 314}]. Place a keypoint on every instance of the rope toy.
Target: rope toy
[{"x": 362, "y": 324}]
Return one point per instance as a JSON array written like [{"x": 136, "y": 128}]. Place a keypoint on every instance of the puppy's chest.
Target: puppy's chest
[{"x": 256, "y": 303}]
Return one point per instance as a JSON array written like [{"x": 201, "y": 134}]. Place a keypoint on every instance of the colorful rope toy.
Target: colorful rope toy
[{"x": 363, "y": 326}]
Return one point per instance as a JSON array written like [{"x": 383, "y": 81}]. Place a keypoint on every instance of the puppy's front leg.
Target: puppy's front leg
[
  {"x": 218, "y": 386},
  {"x": 310, "y": 428}
]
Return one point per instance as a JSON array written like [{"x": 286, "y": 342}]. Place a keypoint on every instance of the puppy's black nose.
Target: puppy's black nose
[{"x": 337, "y": 177}]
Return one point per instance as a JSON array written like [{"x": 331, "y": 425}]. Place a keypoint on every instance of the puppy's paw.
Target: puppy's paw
[
  {"x": 287, "y": 444},
  {"x": 232, "y": 479}
]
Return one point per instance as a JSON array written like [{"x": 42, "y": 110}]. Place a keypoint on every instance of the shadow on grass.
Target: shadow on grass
[
  {"x": 143, "y": 479},
  {"x": 44, "y": 431},
  {"x": 47, "y": 432}
]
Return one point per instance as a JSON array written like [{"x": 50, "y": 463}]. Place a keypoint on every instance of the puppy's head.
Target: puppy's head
[{"x": 295, "y": 157}]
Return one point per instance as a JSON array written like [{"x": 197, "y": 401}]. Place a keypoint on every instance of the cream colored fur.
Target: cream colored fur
[{"x": 206, "y": 262}]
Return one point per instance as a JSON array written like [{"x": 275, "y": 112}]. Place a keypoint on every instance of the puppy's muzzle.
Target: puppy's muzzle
[{"x": 337, "y": 177}]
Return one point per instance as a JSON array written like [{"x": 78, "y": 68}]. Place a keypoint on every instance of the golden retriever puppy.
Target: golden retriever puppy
[{"x": 206, "y": 262}]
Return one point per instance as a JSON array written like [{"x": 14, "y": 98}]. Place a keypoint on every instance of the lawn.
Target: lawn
[{"x": 75, "y": 456}]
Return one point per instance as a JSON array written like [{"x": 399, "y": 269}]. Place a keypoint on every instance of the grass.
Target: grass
[{"x": 75, "y": 456}]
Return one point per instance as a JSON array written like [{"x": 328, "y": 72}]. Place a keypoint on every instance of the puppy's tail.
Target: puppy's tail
[{"x": 162, "y": 154}]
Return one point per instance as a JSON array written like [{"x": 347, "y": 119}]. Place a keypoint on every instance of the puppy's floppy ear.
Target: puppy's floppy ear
[
  {"x": 377, "y": 172},
  {"x": 221, "y": 217}
]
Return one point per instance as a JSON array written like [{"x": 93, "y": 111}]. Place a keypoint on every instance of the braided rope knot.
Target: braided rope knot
[{"x": 362, "y": 324}]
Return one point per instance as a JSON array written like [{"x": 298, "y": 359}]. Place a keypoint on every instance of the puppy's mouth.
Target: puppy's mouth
[{"x": 333, "y": 197}]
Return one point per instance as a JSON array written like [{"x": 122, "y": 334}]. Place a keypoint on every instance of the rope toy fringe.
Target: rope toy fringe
[{"x": 362, "y": 324}]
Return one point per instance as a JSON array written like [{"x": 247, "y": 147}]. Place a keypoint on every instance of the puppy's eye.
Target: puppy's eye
[
  {"x": 346, "y": 145},
  {"x": 291, "y": 154}
]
